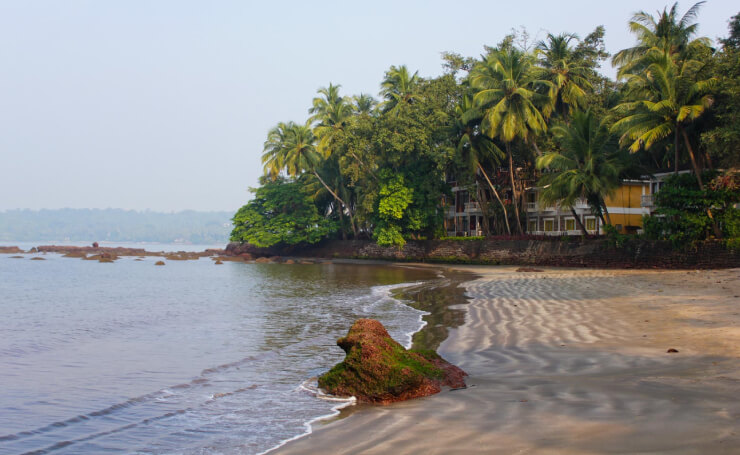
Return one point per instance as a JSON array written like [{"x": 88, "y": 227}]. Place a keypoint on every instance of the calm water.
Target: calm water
[{"x": 190, "y": 358}]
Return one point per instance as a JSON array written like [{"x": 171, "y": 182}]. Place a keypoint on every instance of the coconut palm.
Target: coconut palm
[
  {"x": 474, "y": 147},
  {"x": 668, "y": 33},
  {"x": 364, "y": 104},
  {"x": 663, "y": 101},
  {"x": 398, "y": 88},
  {"x": 566, "y": 74},
  {"x": 331, "y": 113},
  {"x": 505, "y": 90},
  {"x": 587, "y": 167},
  {"x": 291, "y": 147}
]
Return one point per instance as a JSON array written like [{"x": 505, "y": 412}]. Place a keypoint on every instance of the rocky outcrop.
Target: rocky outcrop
[
  {"x": 113, "y": 252},
  {"x": 378, "y": 370},
  {"x": 10, "y": 250}
]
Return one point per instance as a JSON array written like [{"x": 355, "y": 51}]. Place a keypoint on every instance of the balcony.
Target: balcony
[
  {"x": 472, "y": 207},
  {"x": 646, "y": 200}
]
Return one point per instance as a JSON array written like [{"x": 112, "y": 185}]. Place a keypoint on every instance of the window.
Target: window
[
  {"x": 590, "y": 224},
  {"x": 570, "y": 224},
  {"x": 532, "y": 225},
  {"x": 549, "y": 225}
]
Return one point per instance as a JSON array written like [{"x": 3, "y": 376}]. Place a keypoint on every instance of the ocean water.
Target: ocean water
[{"x": 189, "y": 358}]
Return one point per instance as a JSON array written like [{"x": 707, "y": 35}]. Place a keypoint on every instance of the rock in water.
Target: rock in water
[{"x": 379, "y": 370}]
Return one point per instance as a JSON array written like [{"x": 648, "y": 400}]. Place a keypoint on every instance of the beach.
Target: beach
[{"x": 571, "y": 361}]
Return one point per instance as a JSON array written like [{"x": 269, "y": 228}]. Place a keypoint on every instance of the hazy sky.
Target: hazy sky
[{"x": 165, "y": 104}]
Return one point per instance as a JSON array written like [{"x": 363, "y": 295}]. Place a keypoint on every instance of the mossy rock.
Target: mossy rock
[{"x": 377, "y": 369}]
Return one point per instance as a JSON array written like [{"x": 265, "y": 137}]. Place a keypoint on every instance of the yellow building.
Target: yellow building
[{"x": 626, "y": 207}]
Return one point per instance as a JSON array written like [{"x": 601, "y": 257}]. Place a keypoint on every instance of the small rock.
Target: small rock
[
  {"x": 289, "y": 261},
  {"x": 95, "y": 245},
  {"x": 672, "y": 351},
  {"x": 528, "y": 269},
  {"x": 159, "y": 263},
  {"x": 36, "y": 258},
  {"x": 218, "y": 262}
]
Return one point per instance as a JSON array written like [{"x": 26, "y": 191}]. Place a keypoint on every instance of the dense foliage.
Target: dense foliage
[
  {"x": 523, "y": 114},
  {"x": 281, "y": 212}
]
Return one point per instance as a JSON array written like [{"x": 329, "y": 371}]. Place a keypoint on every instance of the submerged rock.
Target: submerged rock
[
  {"x": 377, "y": 369},
  {"x": 38, "y": 258}
]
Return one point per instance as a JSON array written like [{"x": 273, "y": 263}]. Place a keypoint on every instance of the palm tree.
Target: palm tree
[
  {"x": 587, "y": 167},
  {"x": 331, "y": 112},
  {"x": 505, "y": 85},
  {"x": 662, "y": 101},
  {"x": 474, "y": 146},
  {"x": 399, "y": 88},
  {"x": 567, "y": 76},
  {"x": 291, "y": 147},
  {"x": 667, "y": 33},
  {"x": 666, "y": 99},
  {"x": 364, "y": 104}
]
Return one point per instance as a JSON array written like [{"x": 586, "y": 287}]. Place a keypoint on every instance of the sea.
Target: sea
[{"x": 189, "y": 358}]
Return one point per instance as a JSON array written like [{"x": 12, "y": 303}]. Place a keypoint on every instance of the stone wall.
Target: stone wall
[{"x": 566, "y": 252}]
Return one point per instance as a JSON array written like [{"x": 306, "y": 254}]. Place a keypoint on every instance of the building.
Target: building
[{"x": 626, "y": 207}]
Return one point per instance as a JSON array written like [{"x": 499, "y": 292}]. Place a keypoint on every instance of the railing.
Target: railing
[
  {"x": 646, "y": 200},
  {"x": 531, "y": 206},
  {"x": 472, "y": 207}
]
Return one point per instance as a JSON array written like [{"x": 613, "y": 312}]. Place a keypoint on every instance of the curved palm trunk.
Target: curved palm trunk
[
  {"x": 578, "y": 221},
  {"x": 606, "y": 212},
  {"x": 697, "y": 171},
  {"x": 498, "y": 198},
  {"x": 536, "y": 149},
  {"x": 513, "y": 189},
  {"x": 336, "y": 196},
  {"x": 363, "y": 165}
]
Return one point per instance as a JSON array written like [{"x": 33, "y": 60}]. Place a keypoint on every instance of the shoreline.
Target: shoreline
[
  {"x": 572, "y": 361},
  {"x": 412, "y": 294}
]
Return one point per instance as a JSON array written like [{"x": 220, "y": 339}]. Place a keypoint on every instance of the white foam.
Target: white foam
[{"x": 308, "y": 426}]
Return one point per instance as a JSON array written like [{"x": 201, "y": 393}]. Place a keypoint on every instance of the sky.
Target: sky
[{"x": 165, "y": 105}]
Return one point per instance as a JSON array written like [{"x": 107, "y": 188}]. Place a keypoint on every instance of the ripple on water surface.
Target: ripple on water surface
[{"x": 189, "y": 358}]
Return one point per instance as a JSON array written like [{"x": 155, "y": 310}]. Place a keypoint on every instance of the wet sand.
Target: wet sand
[{"x": 572, "y": 362}]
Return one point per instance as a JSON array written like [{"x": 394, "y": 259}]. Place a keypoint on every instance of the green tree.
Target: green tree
[
  {"x": 399, "y": 89},
  {"x": 474, "y": 148},
  {"x": 281, "y": 213},
  {"x": 664, "y": 101},
  {"x": 505, "y": 89},
  {"x": 292, "y": 147},
  {"x": 567, "y": 73},
  {"x": 587, "y": 167},
  {"x": 668, "y": 34},
  {"x": 683, "y": 209},
  {"x": 721, "y": 138}
]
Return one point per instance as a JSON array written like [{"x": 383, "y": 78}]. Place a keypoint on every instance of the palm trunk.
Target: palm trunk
[
  {"x": 495, "y": 193},
  {"x": 675, "y": 152},
  {"x": 606, "y": 212},
  {"x": 697, "y": 171},
  {"x": 363, "y": 165},
  {"x": 536, "y": 149},
  {"x": 513, "y": 189},
  {"x": 578, "y": 221},
  {"x": 336, "y": 196}
]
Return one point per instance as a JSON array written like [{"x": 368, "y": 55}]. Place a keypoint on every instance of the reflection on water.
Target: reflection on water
[{"x": 186, "y": 358}]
